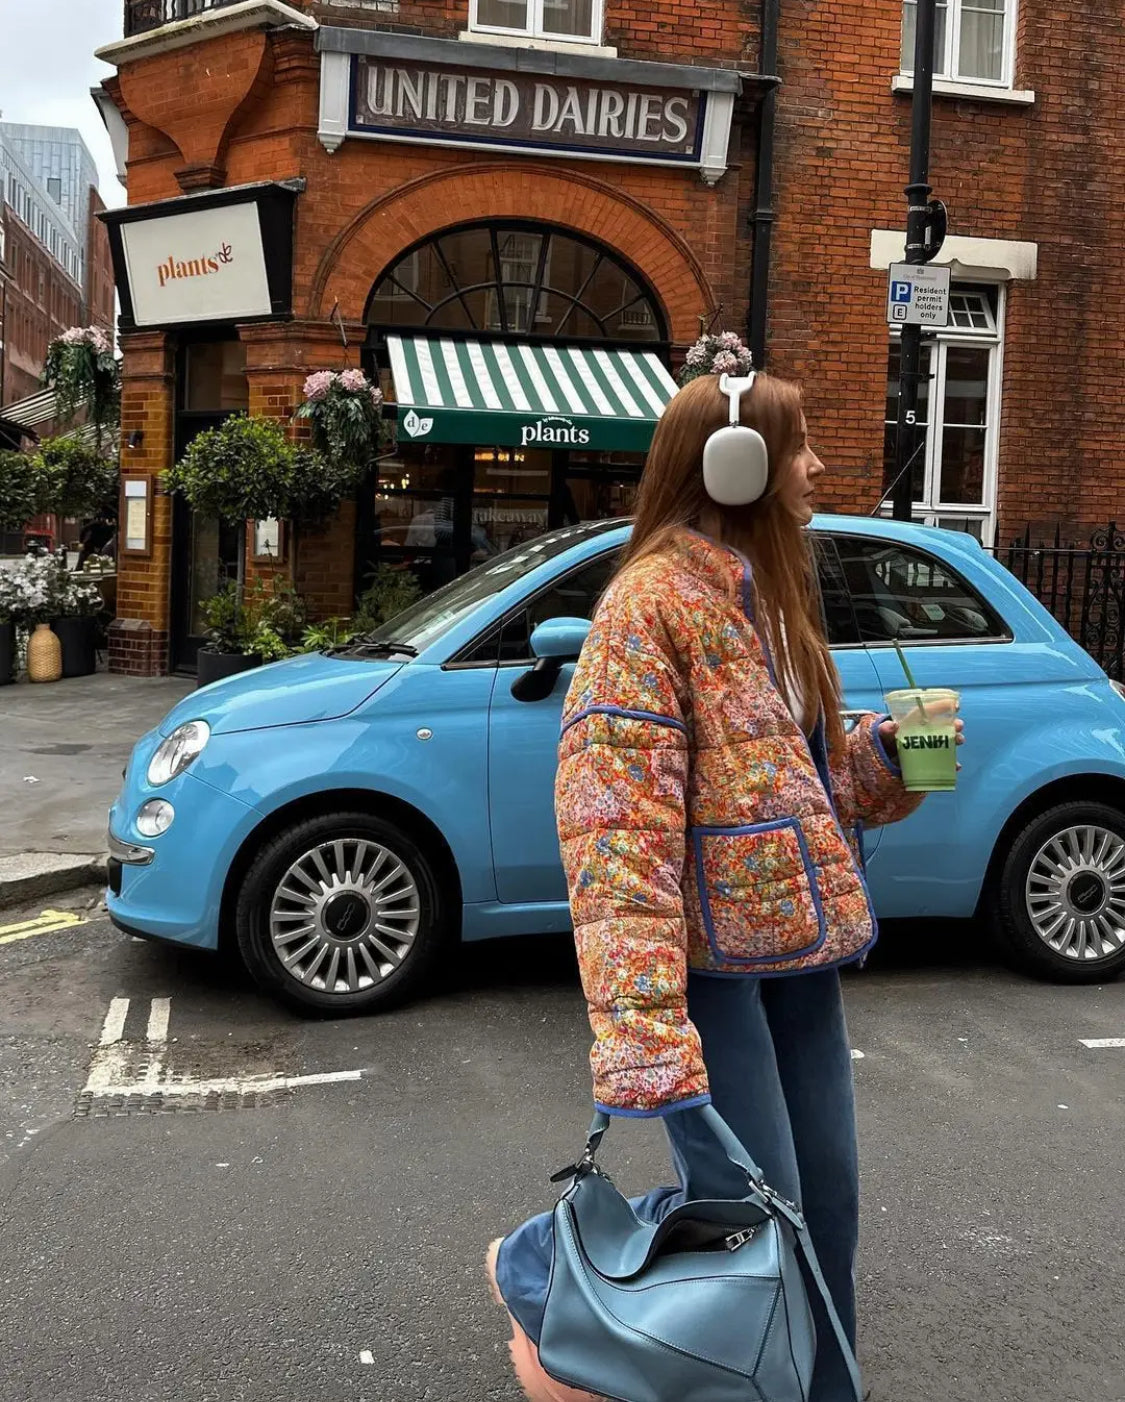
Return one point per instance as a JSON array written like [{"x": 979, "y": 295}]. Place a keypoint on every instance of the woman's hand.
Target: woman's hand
[{"x": 888, "y": 733}]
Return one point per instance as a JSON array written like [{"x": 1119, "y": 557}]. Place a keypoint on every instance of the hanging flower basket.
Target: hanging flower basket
[
  {"x": 345, "y": 414},
  {"x": 82, "y": 370},
  {"x": 724, "y": 354}
]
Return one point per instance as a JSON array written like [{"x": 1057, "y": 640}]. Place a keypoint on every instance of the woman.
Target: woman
[{"x": 710, "y": 812}]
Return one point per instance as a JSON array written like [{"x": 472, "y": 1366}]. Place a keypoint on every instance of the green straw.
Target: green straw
[{"x": 910, "y": 677}]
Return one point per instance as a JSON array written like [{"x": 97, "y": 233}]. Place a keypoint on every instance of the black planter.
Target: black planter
[
  {"x": 79, "y": 640},
  {"x": 214, "y": 666},
  {"x": 7, "y": 653}
]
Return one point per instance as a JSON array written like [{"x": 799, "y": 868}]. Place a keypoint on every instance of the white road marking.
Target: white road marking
[
  {"x": 100, "y": 1086},
  {"x": 158, "y": 1020},
  {"x": 1102, "y": 1043},
  {"x": 366, "y": 1356},
  {"x": 114, "y": 1024}
]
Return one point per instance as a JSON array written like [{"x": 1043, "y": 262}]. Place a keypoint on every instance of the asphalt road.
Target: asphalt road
[{"x": 202, "y": 1201}]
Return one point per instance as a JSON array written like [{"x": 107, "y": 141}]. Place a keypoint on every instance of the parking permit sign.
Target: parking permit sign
[{"x": 918, "y": 295}]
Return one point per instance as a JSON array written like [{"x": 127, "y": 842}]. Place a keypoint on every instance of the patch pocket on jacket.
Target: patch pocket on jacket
[{"x": 758, "y": 890}]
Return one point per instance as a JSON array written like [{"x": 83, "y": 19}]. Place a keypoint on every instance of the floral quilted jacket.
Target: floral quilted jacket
[{"x": 699, "y": 827}]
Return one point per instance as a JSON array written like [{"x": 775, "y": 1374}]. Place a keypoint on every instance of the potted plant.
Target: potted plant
[
  {"x": 77, "y": 604},
  {"x": 227, "y": 650},
  {"x": 82, "y": 370},
  {"x": 9, "y": 612},
  {"x": 35, "y": 582},
  {"x": 248, "y": 627},
  {"x": 389, "y": 593},
  {"x": 345, "y": 414}
]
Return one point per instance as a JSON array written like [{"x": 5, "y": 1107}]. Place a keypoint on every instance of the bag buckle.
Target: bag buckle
[
  {"x": 737, "y": 1239},
  {"x": 577, "y": 1170}
]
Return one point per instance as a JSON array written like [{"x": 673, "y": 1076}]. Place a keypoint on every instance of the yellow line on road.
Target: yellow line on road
[{"x": 46, "y": 924}]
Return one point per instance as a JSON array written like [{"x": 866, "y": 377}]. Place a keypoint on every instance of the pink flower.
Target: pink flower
[
  {"x": 318, "y": 384},
  {"x": 725, "y": 363},
  {"x": 354, "y": 381},
  {"x": 697, "y": 355},
  {"x": 376, "y": 396},
  {"x": 730, "y": 340}
]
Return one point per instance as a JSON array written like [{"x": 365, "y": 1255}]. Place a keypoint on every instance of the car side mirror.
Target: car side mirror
[
  {"x": 560, "y": 639},
  {"x": 553, "y": 643}
]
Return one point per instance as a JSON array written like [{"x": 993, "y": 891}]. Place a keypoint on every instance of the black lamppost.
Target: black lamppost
[{"x": 925, "y": 232}]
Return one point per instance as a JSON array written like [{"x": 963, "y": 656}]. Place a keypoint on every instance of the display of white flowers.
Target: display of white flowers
[{"x": 41, "y": 588}]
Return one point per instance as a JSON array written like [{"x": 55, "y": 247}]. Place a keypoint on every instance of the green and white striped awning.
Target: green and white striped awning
[{"x": 526, "y": 396}]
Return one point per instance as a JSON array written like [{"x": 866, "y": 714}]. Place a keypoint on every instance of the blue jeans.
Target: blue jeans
[{"x": 780, "y": 1069}]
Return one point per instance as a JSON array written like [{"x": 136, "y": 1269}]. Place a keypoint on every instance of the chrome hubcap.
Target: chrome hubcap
[
  {"x": 344, "y": 916},
  {"x": 1076, "y": 893}
]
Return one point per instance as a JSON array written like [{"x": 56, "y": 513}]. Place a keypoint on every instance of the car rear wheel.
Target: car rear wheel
[
  {"x": 341, "y": 914},
  {"x": 1060, "y": 899}
]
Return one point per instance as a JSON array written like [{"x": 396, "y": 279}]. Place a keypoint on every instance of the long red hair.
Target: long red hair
[{"x": 672, "y": 496}]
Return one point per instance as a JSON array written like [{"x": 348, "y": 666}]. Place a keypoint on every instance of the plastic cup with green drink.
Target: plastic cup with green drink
[
  {"x": 927, "y": 733},
  {"x": 927, "y": 737}
]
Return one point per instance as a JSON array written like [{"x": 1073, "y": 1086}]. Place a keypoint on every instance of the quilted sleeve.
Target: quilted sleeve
[
  {"x": 878, "y": 796},
  {"x": 619, "y": 801}
]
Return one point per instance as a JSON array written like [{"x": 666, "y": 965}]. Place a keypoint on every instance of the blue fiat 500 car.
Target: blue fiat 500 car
[{"x": 341, "y": 817}]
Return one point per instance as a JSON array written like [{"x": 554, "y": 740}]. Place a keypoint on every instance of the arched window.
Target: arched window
[{"x": 517, "y": 278}]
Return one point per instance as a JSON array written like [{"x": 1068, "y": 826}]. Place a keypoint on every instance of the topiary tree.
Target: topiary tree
[
  {"x": 21, "y": 490},
  {"x": 248, "y": 470},
  {"x": 76, "y": 479}
]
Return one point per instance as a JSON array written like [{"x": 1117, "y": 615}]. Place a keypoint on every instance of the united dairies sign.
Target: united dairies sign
[{"x": 438, "y": 102}]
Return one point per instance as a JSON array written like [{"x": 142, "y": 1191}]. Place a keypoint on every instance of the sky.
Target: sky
[{"x": 47, "y": 68}]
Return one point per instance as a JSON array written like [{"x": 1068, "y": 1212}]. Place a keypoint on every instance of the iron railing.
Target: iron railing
[
  {"x": 1083, "y": 586},
  {"x": 143, "y": 15}
]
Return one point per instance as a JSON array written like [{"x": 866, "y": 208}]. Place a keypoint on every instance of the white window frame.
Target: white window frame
[
  {"x": 510, "y": 266},
  {"x": 931, "y": 510},
  {"x": 536, "y": 27},
  {"x": 947, "y": 70}
]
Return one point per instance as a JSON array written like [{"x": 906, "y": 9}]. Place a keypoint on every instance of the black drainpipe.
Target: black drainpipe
[{"x": 763, "y": 217}]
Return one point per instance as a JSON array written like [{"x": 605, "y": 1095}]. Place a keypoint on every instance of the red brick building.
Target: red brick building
[
  {"x": 475, "y": 194},
  {"x": 39, "y": 302}
]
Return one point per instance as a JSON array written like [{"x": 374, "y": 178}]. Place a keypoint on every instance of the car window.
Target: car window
[
  {"x": 901, "y": 594},
  {"x": 835, "y": 599},
  {"x": 576, "y": 595},
  {"x": 423, "y": 623}
]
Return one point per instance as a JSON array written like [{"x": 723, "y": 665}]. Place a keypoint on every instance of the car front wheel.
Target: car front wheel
[
  {"x": 341, "y": 914},
  {"x": 1060, "y": 899}
]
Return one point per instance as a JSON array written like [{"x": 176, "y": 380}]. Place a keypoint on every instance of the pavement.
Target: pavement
[
  {"x": 62, "y": 751},
  {"x": 204, "y": 1198}
]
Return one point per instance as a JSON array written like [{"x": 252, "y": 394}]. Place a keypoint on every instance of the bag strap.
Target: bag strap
[{"x": 772, "y": 1202}]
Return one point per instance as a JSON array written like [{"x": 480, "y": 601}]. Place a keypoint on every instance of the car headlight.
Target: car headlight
[
  {"x": 155, "y": 817},
  {"x": 175, "y": 753}
]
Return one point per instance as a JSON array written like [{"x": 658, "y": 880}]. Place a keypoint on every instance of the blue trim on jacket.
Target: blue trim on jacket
[
  {"x": 676, "y": 1105},
  {"x": 624, "y": 714}
]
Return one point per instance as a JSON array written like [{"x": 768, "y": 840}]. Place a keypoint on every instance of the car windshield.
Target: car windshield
[{"x": 423, "y": 623}]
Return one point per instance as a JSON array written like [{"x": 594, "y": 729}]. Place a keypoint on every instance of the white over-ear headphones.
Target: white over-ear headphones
[{"x": 736, "y": 462}]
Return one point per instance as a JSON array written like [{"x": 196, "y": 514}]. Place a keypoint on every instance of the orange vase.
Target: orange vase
[{"x": 44, "y": 655}]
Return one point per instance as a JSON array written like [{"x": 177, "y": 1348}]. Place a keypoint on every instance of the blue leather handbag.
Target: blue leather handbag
[{"x": 709, "y": 1304}]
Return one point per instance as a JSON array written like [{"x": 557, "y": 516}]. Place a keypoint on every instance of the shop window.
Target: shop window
[
  {"x": 522, "y": 278},
  {"x": 574, "y": 20},
  {"x": 974, "y": 40},
  {"x": 953, "y": 480}
]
